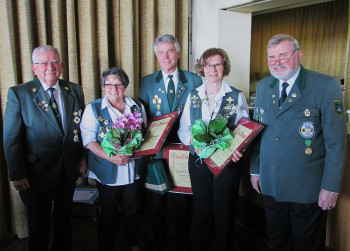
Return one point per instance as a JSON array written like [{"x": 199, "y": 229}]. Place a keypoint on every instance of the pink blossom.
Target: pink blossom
[{"x": 117, "y": 146}]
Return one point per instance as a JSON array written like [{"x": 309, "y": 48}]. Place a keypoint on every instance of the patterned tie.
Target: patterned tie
[
  {"x": 171, "y": 92},
  {"x": 284, "y": 93},
  {"x": 54, "y": 106}
]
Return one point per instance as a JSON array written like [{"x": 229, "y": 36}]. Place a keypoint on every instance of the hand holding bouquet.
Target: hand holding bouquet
[
  {"x": 124, "y": 136},
  {"x": 209, "y": 137}
]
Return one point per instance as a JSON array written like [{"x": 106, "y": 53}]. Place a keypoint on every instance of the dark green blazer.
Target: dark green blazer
[
  {"x": 35, "y": 147},
  {"x": 154, "y": 98},
  {"x": 312, "y": 116},
  {"x": 153, "y": 89}
]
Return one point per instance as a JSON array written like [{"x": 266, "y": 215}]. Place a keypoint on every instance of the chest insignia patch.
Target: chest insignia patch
[{"x": 307, "y": 130}]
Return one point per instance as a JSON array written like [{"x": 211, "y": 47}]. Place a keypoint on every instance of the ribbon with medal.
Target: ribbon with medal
[{"x": 307, "y": 131}]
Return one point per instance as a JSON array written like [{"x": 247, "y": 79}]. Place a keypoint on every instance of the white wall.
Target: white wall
[{"x": 214, "y": 27}]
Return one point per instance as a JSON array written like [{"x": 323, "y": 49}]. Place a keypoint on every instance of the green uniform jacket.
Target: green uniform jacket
[
  {"x": 154, "y": 97},
  {"x": 312, "y": 116},
  {"x": 153, "y": 94},
  {"x": 35, "y": 147}
]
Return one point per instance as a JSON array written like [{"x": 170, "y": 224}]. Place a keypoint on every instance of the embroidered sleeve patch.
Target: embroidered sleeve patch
[{"x": 338, "y": 108}]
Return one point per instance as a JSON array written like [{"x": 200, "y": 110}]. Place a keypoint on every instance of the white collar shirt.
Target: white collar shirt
[
  {"x": 166, "y": 78},
  {"x": 290, "y": 82}
]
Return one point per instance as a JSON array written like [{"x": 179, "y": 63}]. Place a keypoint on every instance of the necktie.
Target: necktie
[
  {"x": 284, "y": 92},
  {"x": 54, "y": 106},
  {"x": 171, "y": 91}
]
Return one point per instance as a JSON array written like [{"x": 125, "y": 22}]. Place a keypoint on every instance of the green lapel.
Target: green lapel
[
  {"x": 160, "y": 91},
  {"x": 68, "y": 105},
  {"x": 181, "y": 89}
]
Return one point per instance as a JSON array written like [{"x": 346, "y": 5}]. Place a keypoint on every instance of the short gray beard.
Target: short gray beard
[{"x": 287, "y": 75}]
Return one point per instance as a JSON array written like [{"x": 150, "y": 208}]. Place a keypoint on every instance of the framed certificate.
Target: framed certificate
[
  {"x": 157, "y": 130},
  {"x": 177, "y": 158},
  {"x": 243, "y": 133}
]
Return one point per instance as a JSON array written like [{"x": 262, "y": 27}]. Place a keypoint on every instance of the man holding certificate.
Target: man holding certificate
[
  {"x": 163, "y": 92},
  {"x": 298, "y": 163}
]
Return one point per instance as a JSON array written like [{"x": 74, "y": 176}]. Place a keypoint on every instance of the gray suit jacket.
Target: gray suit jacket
[
  {"x": 35, "y": 147},
  {"x": 312, "y": 117}
]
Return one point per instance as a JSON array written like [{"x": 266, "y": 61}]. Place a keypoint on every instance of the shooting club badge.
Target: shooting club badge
[
  {"x": 338, "y": 108},
  {"x": 307, "y": 131}
]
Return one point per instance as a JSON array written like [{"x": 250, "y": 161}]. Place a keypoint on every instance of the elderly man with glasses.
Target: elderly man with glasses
[
  {"x": 43, "y": 148},
  {"x": 297, "y": 164}
]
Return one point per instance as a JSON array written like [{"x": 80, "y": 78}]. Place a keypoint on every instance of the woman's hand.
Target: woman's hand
[
  {"x": 120, "y": 159},
  {"x": 197, "y": 150},
  {"x": 236, "y": 156}
]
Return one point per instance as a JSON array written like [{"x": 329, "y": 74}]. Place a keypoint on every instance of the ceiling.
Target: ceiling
[{"x": 258, "y": 7}]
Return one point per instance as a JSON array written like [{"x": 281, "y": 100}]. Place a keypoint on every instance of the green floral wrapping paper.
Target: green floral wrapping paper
[{"x": 209, "y": 137}]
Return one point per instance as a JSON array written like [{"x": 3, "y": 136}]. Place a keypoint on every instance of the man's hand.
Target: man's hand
[
  {"x": 255, "y": 179},
  {"x": 236, "y": 156},
  {"x": 21, "y": 185},
  {"x": 83, "y": 168},
  {"x": 327, "y": 200}
]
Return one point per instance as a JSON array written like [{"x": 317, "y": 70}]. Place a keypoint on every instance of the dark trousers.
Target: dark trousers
[
  {"x": 158, "y": 209},
  {"x": 182, "y": 207},
  {"x": 39, "y": 205},
  {"x": 110, "y": 198},
  {"x": 295, "y": 226},
  {"x": 214, "y": 201}
]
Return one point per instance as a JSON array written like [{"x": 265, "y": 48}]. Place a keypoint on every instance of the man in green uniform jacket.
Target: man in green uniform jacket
[
  {"x": 163, "y": 92},
  {"x": 298, "y": 162},
  {"x": 43, "y": 147}
]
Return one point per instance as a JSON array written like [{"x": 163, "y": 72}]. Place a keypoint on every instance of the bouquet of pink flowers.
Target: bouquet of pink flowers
[{"x": 124, "y": 136}]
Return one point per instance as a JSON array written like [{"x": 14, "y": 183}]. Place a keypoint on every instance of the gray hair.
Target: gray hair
[
  {"x": 119, "y": 72},
  {"x": 43, "y": 48},
  {"x": 277, "y": 39},
  {"x": 166, "y": 38}
]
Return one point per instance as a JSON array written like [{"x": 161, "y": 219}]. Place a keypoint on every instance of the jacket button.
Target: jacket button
[
  {"x": 273, "y": 167},
  {"x": 277, "y": 139}
]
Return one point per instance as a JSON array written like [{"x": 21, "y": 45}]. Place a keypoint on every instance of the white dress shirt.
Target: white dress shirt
[
  {"x": 167, "y": 79},
  {"x": 290, "y": 82},
  {"x": 184, "y": 131}
]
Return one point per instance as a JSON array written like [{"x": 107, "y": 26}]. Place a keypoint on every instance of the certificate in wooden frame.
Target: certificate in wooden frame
[
  {"x": 243, "y": 134},
  {"x": 176, "y": 155},
  {"x": 157, "y": 131}
]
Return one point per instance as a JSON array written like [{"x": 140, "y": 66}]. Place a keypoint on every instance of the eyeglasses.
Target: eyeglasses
[
  {"x": 213, "y": 65},
  {"x": 110, "y": 86},
  {"x": 283, "y": 59},
  {"x": 54, "y": 63}
]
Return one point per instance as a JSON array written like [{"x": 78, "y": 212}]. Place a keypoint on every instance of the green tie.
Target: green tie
[
  {"x": 171, "y": 92},
  {"x": 283, "y": 93},
  {"x": 54, "y": 106}
]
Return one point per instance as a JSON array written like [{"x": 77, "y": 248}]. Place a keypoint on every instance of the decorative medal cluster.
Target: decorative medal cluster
[
  {"x": 158, "y": 101},
  {"x": 231, "y": 108},
  {"x": 196, "y": 101},
  {"x": 104, "y": 130},
  {"x": 76, "y": 120},
  {"x": 44, "y": 105},
  {"x": 307, "y": 131}
]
